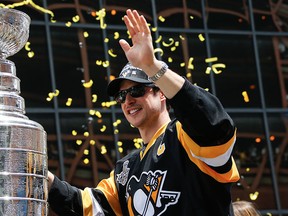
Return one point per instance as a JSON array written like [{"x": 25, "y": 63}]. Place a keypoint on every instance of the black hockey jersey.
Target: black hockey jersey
[{"x": 185, "y": 169}]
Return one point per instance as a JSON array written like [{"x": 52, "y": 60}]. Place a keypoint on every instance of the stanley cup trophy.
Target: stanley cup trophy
[{"x": 23, "y": 153}]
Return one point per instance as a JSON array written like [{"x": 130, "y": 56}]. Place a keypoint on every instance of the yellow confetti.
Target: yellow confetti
[
  {"x": 88, "y": 84},
  {"x": 92, "y": 112},
  {"x": 56, "y": 92},
  {"x": 105, "y": 64},
  {"x": 86, "y": 161},
  {"x": 245, "y": 96},
  {"x": 98, "y": 62},
  {"x": 98, "y": 114},
  {"x": 69, "y": 102},
  {"x": 86, "y": 34},
  {"x": 103, "y": 128},
  {"x": 190, "y": 65},
  {"x": 120, "y": 149},
  {"x": 86, "y": 152},
  {"x": 158, "y": 39},
  {"x": 119, "y": 143},
  {"x": 74, "y": 132},
  {"x": 100, "y": 16},
  {"x": 106, "y": 40},
  {"x": 27, "y": 48},
  {"x": 116, "y": 35},
  {"x": 212, "y": 59},
  {"x": 254, "y": 196},
  {"x": 173, "y": 48},
  {"x": 159, "y": 50},
  {"x": 218, "y": 65},
  {"x": 182, "y": 64},
  {"x": 181, "y": 37},
  {"x": 92, "y": 142},
  {"x": 168, "y": 44},
  {"x": 201, "y": 37},
  {"x": 191, "y": 17},
  {"x": 76, "y": 18},
  {"x": 86, "y": 134},
  {"x": 208, "y": 70},
  {"x": 170, "y": 59},
  {"x": 30, "y": 54},
  {"x": 103, "y": 150},
  {"x": 78, "y": 142},
  {"x": 94, "y": 98},
  {"x": 154, "y": 29},
  {"x": 161, "y": 18},
  {"x": 110, "y": 52},
  {"x": 68, "y": 24},
  {"x": 188, "y": 75}
]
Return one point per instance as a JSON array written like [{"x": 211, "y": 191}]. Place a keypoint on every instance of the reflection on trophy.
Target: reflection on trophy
[{"x": 23, "y": 153}]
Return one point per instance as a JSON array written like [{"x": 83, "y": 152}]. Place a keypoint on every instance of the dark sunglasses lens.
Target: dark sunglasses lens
[
  {"x": 120, "y": 97},
  {"x": 135, "y": 91}
]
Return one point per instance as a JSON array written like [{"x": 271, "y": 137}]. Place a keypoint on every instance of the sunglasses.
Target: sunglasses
[{"x": 134, "y": 91}]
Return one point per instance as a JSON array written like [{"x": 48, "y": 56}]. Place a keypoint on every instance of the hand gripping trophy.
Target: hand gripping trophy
[{"x": 23, "y": 152}]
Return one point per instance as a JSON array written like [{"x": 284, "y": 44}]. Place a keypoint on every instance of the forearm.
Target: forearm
[
  {"x": 63, "y": 198},
  {"x": 202, "y": 115},
  {"x": 170, "y": 83}
]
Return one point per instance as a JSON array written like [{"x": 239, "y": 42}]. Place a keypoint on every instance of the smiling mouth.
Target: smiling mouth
[{"x": 133, "y": 111}]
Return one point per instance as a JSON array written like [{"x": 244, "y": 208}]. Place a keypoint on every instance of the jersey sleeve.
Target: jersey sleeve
[
  {"x": 67, "y": 200},
  {"x": 202, "y": 116},
  {"x": 206, "y": 132}
]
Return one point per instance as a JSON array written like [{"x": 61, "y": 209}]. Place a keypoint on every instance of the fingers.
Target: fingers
[
  {"x": 135, "y": 23},
  {"x": 124, "y": 45}
]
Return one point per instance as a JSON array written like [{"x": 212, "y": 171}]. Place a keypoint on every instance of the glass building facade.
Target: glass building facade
[{"x": 237, "y": 50}]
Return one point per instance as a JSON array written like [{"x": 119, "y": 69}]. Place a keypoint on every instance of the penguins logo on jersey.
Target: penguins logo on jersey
[{"x": 146, "y": 196}]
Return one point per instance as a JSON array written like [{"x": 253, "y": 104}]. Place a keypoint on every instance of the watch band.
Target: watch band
[{"x": 159, "y": 74}]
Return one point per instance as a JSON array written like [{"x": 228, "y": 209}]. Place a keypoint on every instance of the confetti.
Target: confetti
[
  {"x": 201, "y": 37},
  {"x": 212, "y": 59},
  {"x": 88, "y": 84},
  {"x": 159, "y": 50},
  {"x": 69, "y": 102},
  {"x": 245, "y": 96},
  {"x": 103, "y": 150},
  {"x": 158, "y": 39},
  {"x": 254, "y": 196},
  {"x": 79, "y": 142},
  {"x": 168, "y": 44},
  {"x": 218, "y": 65},
  {"x": 110, "y": 52},
  {"x": 94, "y": 98},
  {"x": 116, "y": 35},
  {"x": 100, "y": 16},
  {"x": 76, "y": 18},
  {"x": 103, "y": 128},
  {"x": 190, "y": 65},
  {"x": 27, "y": 48},
  {"x": 161, "y": 18}
]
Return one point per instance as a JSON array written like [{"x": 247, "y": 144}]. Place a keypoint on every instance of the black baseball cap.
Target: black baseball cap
[{"x": 131, "y": 73}]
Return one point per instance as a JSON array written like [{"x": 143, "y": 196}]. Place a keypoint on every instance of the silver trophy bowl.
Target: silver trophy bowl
[{"x": 23, "y": 152}]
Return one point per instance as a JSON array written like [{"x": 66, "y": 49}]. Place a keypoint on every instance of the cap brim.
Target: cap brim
[{"x": 114, "y": 85}]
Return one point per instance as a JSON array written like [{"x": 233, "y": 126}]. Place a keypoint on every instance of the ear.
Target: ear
[{"x": 162, "y": 96}]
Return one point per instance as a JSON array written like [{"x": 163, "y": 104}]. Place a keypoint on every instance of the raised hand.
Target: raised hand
[{"x": 141, "y": 53}]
